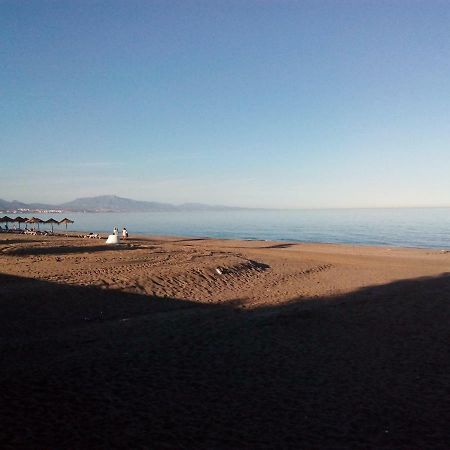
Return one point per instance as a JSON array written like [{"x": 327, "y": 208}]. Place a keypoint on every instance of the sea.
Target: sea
[{"x": 402, "y": 227}]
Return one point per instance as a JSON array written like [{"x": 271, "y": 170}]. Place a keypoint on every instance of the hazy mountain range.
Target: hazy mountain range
[{"x": 108, "y": 203}]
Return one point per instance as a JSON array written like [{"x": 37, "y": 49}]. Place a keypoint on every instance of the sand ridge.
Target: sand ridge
[{"x": 209, "y": 270}]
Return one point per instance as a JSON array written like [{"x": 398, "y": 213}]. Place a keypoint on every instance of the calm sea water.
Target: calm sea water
[{"x": 418, "y": 227}]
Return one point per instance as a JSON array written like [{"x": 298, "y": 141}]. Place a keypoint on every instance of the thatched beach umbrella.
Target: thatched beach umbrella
[
  {"x": 52, "y": 221},
  {"x": 66, "y": 221},
  {"x": 35, "y": 220},
  {"x": 6, "y": 219},
  {"x": 19, "y": 220}
]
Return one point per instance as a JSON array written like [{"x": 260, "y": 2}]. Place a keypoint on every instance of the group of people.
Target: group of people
[{"x": 124, "y": 232}]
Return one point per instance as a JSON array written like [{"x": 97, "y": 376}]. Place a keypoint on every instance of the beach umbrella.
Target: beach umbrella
[
  {"x": 52, "y": 221},
  {"x": 65, "y": 221},
  {"x": 35, "y": 220},
  {"x": 19, "y": 220},
  {"x": 6, "y": 219}
]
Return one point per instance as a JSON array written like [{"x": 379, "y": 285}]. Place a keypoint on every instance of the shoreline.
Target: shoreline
[
  {"x": 164, "y": 237},
  {"x": 362, "y": 227}
]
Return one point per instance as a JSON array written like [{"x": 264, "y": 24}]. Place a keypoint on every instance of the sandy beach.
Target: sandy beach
[{"x": 203, "y": 343}]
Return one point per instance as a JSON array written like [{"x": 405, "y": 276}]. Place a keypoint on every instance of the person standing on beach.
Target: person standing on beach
[
  {"x": 124, "y": 233},
  {"x": 116, "y": 231}
]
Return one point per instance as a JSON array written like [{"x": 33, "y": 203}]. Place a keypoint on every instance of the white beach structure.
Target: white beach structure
[{"x": 113, "y": 239}]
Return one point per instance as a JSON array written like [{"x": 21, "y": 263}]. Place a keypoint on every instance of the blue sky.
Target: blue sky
[{"x": 254, "y": 103}]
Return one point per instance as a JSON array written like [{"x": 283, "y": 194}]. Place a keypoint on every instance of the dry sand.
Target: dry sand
[{"x": 147, "y": 345}]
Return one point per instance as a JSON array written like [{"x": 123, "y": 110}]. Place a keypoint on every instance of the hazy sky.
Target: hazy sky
[{"x": 254, "y": 103}]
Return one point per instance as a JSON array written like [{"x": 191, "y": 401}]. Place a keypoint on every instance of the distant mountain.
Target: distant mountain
[
  {"x": 16, "y": 205},
  {"x": 109, "y": 203},
  {"x": 5, "y": 205}
]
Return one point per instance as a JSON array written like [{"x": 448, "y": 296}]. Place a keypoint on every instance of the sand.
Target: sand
[{"x": 202, "y": 343}]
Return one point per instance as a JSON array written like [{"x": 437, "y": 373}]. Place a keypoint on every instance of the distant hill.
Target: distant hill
[
  {"x": 15, "y": 205},
  {"x": 109, "y": 203},
  {"x": 5, "y": 205}
]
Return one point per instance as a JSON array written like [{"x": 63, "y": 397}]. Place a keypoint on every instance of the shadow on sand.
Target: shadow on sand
[
  {"x": 286, "y": 245},
  {"x": 63, "y": 249},
  {"x": 9, "y": 241},
  {"x": 88, "y": 368}
]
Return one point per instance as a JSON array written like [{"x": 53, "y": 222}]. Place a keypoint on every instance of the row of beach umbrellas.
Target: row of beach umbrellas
[{"x": 20, "y": 220}]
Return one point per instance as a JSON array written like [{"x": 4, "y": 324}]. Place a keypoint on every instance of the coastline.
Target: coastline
[
  {"x": 201, "y": 343},
  {"x": 399, "y": 228}
]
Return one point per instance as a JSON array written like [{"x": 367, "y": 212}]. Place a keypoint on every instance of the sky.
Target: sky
[{"x": 291, "y": 104}]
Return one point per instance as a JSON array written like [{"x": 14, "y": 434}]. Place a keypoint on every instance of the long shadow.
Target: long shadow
[
  {"x": 17, "y": 241},
  {"x": 191, "y": 240},
  {"x": 156, "y": 241},
  {"x": 90, "y": 368},
  {"x": 286, "y": 245},
  {"x": 63, "y": 249}
]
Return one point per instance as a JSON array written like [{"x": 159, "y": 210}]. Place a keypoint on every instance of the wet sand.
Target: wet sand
[{"x": 202, "y": 343}]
